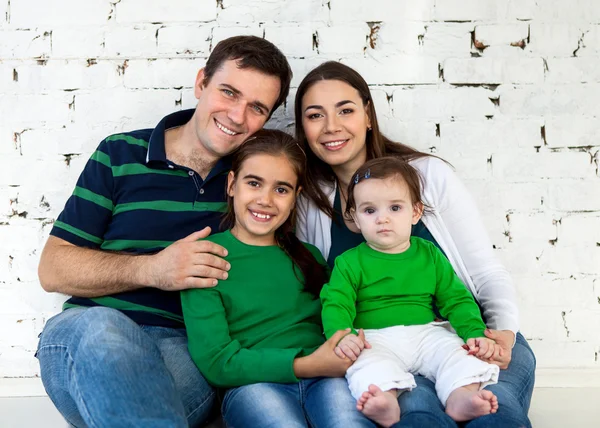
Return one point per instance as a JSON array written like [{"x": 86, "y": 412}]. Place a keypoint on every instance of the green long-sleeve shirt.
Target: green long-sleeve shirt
[
  {"x": 373, "y": 290},
  {"x": 251, "y": 326}
]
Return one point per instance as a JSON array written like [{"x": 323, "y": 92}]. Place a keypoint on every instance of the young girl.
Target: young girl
[
  {"x": 387, "y": 286},
  {"x": 258, "y": 333}
]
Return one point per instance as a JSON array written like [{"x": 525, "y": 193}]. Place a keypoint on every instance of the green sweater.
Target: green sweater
[
  {"x": 373, "y": 290},
  {"x": 251, "y": 327}
]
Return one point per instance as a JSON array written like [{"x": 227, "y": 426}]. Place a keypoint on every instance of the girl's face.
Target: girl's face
[
  {"x": 264, "y": 195},
  {"x": 335, "y": 122}
]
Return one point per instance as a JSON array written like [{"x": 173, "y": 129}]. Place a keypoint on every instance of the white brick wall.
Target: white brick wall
[{"x": 505, "y": 90}]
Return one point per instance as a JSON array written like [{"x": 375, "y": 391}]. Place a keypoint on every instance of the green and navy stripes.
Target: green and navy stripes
[{"x": 130, "y": 198}]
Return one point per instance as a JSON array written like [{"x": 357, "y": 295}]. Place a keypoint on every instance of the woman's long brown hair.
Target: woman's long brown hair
[
  {"x": 378, "y": 145},
  {"x": 278, "y": 143}
]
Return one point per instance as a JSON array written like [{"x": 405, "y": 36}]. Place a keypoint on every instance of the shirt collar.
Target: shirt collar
[{"x": 156, "y": 145}]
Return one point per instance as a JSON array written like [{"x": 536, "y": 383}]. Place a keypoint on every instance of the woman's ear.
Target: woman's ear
[
  {"x": 230, "y": 183},
  {"x": 298, "y": 191},
  {"x": 417, "y": 212},
  {"x": 369, "y": 126}
]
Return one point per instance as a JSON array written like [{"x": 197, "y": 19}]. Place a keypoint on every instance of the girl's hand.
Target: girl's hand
[
  {"x": 323, "y": 362},
  {"x": 351, "y": 345}
]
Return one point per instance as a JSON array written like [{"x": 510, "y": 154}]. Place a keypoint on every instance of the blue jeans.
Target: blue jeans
[
  {"x": 421, "y": 407},
  {"x": 317, "y": 402},
  {"x": 101, "y": 369}
]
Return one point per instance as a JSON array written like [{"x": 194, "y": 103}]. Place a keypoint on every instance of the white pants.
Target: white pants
[{"x": 431, "y": 350}]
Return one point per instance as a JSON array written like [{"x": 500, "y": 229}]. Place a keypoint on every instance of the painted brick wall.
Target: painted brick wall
[{"x": 506, "y": 90}]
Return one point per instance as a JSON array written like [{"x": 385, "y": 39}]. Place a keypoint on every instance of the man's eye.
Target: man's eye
[{"x": 227, "y": 92}]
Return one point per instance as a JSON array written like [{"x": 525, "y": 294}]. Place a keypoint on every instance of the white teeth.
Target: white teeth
[
  {"x": 225, "y": 130},
  {"x": 334, "y": 143},
  {"x": 261, "y": 216}
]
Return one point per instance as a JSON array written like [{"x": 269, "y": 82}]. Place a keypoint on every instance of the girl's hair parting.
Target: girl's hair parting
[
  {"x": 386, "y": 167},
  {"x": 278, "y": 143}
]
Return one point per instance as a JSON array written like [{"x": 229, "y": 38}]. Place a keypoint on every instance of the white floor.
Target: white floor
[{"x": 550, "y": 408}]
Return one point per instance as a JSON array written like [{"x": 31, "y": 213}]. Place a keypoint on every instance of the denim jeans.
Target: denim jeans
[
  {"x": 421, "y": 407},
  {"x": 101, "y": 369},
  {"x": 317, "y": 402}
]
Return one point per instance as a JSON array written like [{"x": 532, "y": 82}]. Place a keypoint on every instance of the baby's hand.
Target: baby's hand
[
  {"x": 351, "y": 346},
  {"x": 483, "y": 348}
]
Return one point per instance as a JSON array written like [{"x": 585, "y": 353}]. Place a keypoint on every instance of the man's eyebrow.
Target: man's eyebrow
[
  {"x": 337, "y": 105},
  {"x": 257, "y": 178},
  {"x": 239, "y": 93}
]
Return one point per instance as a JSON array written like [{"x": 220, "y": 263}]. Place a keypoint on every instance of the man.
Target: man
[{"x": 127, "y": 242}]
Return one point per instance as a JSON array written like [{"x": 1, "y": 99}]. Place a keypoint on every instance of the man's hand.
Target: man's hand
[
  {"x": 351, "y": 345},
  {"x": 187, "y": 263},
  {"x": 323, "y": 362}
]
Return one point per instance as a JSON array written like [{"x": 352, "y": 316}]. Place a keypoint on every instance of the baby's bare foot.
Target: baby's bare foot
[
  {"x": 466, "y": 404},
  {"x": 380, "y": 406}
]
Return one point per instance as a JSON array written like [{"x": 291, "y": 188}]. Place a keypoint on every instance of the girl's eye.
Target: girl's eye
[
  {"x": 396, "y": 208},
  {"x": 281, "y": 190},
  {"x": 253, "y": 183},
  {"x": 369, "y": 210}
]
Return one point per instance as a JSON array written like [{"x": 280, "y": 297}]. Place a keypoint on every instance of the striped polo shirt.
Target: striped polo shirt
[{"x": 131, "y": 199}]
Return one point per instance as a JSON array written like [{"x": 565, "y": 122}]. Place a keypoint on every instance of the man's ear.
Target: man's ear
[
  {"x": 199, "y": 85},
  {"x": 417, "y": 212},
  {"x": 353, "y": 215},
  {"x": 230, "y": 183}
]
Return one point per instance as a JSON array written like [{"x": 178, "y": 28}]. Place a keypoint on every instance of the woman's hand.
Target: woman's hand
[
  {"x": 351, "y": 345},
  {"x": 505, "y": 340},
  {"x": 324, "y": 361}
]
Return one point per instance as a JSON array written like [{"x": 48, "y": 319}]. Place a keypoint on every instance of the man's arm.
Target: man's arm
[{"x": 84, "y": 272}]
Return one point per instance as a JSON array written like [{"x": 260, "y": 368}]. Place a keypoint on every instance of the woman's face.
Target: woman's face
[{"x": 335, "y": 122}]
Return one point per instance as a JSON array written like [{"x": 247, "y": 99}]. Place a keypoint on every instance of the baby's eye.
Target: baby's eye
[
  {"x": 396, "y": 208},
  {"x": 369, "y": 210}
]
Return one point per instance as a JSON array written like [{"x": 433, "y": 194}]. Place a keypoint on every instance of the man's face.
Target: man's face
[{"x": 233, "y": 105}]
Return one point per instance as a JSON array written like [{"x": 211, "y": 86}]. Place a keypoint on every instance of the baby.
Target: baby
[{"x": 387, "y": 286}]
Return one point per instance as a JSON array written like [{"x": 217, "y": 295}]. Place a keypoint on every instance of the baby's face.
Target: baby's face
[{"x": 385, "y": 213}]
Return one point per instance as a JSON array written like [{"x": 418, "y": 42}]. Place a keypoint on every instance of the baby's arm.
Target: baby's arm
[
  {"x": 483, "y": 348},
  {"x": 338, "y": 298}
]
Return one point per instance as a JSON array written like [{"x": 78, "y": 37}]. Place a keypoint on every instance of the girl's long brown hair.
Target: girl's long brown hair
[
  {"x": 378, "y": 145},
  {"x": 278, "y": 143}
]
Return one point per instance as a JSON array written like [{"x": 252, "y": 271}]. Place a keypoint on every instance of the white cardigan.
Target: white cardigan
[{"x": 455, "y": 224}]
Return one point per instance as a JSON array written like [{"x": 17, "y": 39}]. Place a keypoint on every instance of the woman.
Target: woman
[{"x": 337, "y": 123}]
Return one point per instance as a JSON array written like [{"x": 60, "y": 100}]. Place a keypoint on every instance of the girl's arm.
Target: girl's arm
[
  {"x": 493, "y": 285},
  {"x": 225, "y": 363},
  {"x": 221, "y": 359}
]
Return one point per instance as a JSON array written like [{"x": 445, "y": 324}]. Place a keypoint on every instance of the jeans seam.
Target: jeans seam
[
  {"x": 79, "y": 397},
  {"x": 212, "y": 393}
]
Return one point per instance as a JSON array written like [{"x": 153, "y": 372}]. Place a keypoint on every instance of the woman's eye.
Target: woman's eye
[
  {"x": 396, "y": 208},
  {"x": 347, "y": 111},
  {"x": 315, "y": 116}
]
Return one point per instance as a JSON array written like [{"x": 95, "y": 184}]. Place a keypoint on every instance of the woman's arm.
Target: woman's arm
[{"x": 493, "y": 285}]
